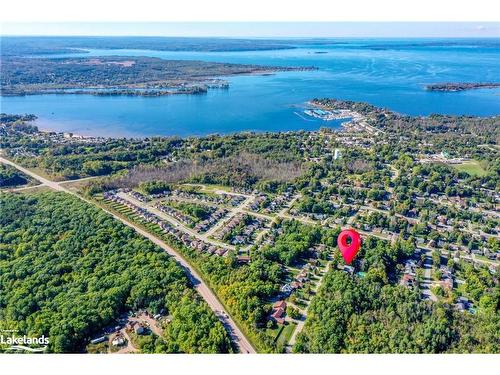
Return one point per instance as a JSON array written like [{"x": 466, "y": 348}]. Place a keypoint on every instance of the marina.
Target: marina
[{"x": 329, "y": 115}]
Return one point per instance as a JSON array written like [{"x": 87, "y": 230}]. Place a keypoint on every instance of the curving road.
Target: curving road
[{"x": 201, "y": 287}]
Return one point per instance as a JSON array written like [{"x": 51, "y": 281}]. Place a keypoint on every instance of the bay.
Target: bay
[{"x": 387, "y": 73}]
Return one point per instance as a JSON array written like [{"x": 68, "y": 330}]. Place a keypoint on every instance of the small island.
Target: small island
[{"x": 461, "y": 86}]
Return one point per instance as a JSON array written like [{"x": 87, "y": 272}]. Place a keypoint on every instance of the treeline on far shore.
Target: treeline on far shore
[{"x": 461, "y": 86}]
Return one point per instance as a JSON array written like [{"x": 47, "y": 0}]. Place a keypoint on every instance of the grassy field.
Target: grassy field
[
  {"x": 77, "y": 185},
  {"x": 42, "y": 172},
  {"x": 472, "y": 168},
  {"x": 274, "y": 332},
  {"x": 286, "y": 334},
  {"x": 282, "y": 333}
]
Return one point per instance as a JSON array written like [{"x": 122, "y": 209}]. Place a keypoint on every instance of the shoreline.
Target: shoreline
[
  {"x": 44, "y": 126},
  {"x": 150, "y": 90},
  {"x": 48, "y": 126},
  {"x": 87, "y": 137},
  {"x": 154, "y": 77}
]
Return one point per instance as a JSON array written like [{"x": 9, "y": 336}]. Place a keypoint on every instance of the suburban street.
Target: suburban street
[
  {"x": 174, "y": 222},
  {"x": 242, "y": 208},
  {"x": 232, "y": 213},
  {"x": 427, "y": 282},
  {"x": 201, "y": 287},
  {"x": 303, "y": 312}
]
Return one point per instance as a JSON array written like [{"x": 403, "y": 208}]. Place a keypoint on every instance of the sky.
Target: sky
[{"x": 260, "y": 29}]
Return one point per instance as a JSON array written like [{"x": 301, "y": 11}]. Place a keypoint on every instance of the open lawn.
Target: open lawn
[
  {"x": 282, "y": 333},
  {"x": 472, "y": 168},
  {"x": 286, "y": 334}
]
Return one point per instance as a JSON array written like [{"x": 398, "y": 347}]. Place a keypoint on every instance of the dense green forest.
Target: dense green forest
[
  {"x": 367, "y": 314},
  {"x": 67, "y": 270}
]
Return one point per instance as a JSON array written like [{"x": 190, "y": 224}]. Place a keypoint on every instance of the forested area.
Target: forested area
[
  {"x": 67, "y": 270},
  {"x": 242, "y": 165},
  {"x": 74, "y": 160},
  {"x": 295, "y": 241},
  {"x": 240, "y": 160},
  {"x": 369, "y": 314},
  {"x": 10, "y": 177},
  {"x": 46, "y": 45},
  {"x": 22, "y": 76},
  {"x": 243, "y": 289},
  {"x": 390, "y": 188},
  {"x": 246, "y": 290},
  {"x": 352, "y": 315}
]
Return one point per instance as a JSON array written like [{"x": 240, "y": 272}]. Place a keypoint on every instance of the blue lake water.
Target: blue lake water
[{"x": 391, "y": 74}]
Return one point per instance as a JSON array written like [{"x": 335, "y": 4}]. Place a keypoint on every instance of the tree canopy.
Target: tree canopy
[{"x": 67, "y": 270}]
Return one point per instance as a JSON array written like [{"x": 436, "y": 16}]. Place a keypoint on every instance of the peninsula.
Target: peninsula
[{"x": 120, "y": 75}]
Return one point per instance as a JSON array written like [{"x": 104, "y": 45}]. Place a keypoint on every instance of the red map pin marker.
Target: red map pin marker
[{"x": 349, "y": 250}]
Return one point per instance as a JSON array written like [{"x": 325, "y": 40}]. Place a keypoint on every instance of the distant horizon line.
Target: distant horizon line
[{"x": 246, "y": 37}]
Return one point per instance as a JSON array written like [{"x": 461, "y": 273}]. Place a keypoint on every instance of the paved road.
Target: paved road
[
  {"x": 237, "y": 336},
  {"x": 303, "y": 312},
  {"x": 427, "y": 282},
  {"x": 293, "y": 339},
  {"x": 287, "y": 207},
  {"x": 24, "y": 188},
  {"x": 470, "y": 257},
  {"x": 44, "y": 181},
  {"x": 176, "y": 223}
]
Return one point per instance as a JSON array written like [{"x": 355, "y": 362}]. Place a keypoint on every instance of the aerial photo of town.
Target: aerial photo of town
[{"x": 186, "y": 195}]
